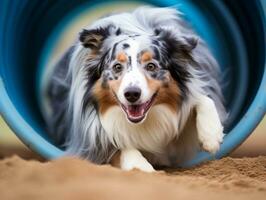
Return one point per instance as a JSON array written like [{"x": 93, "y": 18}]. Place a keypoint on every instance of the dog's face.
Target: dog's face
[{"x": 134, "y": 71}]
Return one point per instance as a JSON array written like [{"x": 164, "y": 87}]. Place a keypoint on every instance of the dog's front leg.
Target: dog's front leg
[
  {"x": 128, "y": 159},
  {"x": 209, "y": 126}
]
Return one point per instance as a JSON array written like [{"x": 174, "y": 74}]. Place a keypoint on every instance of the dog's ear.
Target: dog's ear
[
  {"x": 93, "y": 38},
  {"x": 177, "y": 44},
  {"x": 177, "y": 53}
]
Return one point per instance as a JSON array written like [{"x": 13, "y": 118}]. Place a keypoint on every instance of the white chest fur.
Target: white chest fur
[{"x": 158, "y": 129}]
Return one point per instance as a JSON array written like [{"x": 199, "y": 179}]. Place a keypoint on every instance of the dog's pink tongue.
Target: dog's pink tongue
[{"x": 136, "y": 110}]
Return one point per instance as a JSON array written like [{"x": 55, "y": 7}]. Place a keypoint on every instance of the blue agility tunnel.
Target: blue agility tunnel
[{"x": 234, "y": 30}]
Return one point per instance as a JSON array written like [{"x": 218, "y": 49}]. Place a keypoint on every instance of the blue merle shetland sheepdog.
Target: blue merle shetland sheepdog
[{"x": 136, "y": 90}]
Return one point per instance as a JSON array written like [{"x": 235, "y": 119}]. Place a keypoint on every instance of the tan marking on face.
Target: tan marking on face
[
  {"x": 170, "y": 95},
  {"x": 146, "y": 56},
  {"x": 121, "y": 57},
  {"x": 104, "y": 96},
  {"x": 168, "y": 92}
]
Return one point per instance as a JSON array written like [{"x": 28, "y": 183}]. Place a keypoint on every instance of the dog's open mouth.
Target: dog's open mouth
[{"x": 137, "y": 112}]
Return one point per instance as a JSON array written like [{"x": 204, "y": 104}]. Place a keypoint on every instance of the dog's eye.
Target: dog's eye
[
  {"x": 117, "y": 68},
  {"x": 151, "y": 67}
]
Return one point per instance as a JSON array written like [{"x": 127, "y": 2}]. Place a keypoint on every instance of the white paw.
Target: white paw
[
  {"x": 132, "y": 159},
  {"x": 209, "y": 127},
  {"x": 141, "y": 165},
  {"x": 212, "y": 145},
  {"x": 210, "y": 137}
]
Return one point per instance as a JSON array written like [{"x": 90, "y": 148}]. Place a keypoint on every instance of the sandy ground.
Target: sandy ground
[
  {"x": 25, "y": 175},
  {"x": 70, "y": 178}
]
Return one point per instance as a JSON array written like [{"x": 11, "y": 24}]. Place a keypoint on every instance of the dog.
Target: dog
[{"x": 137, "y": 89}]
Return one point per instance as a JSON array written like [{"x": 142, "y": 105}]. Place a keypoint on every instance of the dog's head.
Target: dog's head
[{"x": 137, "y": 72}]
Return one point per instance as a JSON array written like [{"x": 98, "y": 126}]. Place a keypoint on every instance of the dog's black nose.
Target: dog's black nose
[{"x": 132, "y": 94}]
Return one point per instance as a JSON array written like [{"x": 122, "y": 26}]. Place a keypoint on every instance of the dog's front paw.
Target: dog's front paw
[
  {"x": 212, "y": 145},
  {"x": 210, "y": 135},
  {"x": 209, "y": 126},
  {"x": 139, "y": 164},
  {"x": 132, "y": 159}
]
